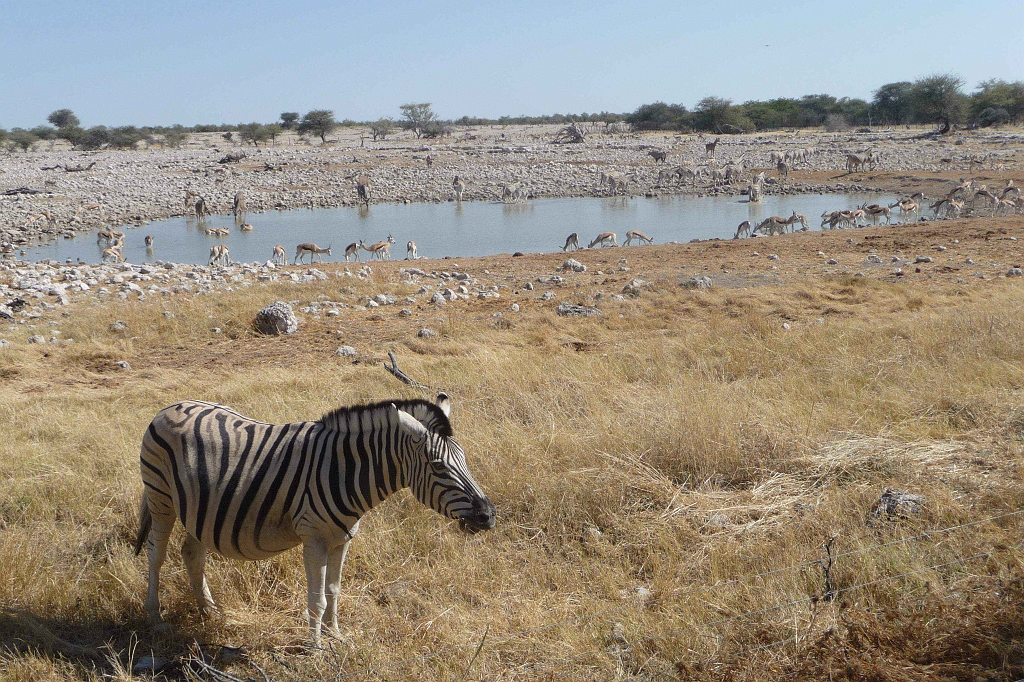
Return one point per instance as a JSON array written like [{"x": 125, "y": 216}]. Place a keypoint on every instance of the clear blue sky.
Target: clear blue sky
[{"x": 160, "y": 63}]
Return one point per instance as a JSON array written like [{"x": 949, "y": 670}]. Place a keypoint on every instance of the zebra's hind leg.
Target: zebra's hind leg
[
  {"x": 156, "y": 550},
  {"x": 194, "y": 555}
]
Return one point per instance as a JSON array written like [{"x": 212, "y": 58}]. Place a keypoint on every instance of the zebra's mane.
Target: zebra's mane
[{"x": 426, "y": 412}]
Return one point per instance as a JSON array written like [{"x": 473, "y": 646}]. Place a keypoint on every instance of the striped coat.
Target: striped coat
[{"x": 250, "y": 490}]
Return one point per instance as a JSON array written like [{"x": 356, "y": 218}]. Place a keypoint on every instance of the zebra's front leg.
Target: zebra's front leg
[
  {"x": 315, "y": 557},
  {"x": 156, "y": 551},
  {"x": 335, "y": 562}
]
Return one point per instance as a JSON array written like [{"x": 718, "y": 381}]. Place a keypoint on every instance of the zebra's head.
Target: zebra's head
[{"x": 436, "y": 466}]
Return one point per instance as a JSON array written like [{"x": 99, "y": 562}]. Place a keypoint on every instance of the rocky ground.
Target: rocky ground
[
  {"x": 133, "y": 187},
  {"x": 962, "y": 253}
]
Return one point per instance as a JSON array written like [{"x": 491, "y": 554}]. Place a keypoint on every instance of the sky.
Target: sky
[{"x": 161, "y": 63}]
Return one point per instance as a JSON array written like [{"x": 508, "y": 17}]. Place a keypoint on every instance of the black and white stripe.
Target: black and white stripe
[{"x": 250, "y": 490}]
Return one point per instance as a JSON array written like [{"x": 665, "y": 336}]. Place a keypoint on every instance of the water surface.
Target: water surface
[{"x": 450, "y": 229}]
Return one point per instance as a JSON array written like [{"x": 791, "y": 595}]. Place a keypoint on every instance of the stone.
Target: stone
[
  {"x": 438, "y": 298},
  {"x": 833, "y": 261},
  {"x": 117, "y": 326},
  {"x": 785, "y": 325},
  {"x": 574, "y": 265},
  {"x": 1014, "y": 272},
  {"x": 547, "y": 296},
  {"x": 150, "y": 665},
  {"x": 124, "y": 365},
  {"x": 346, "y": 351},
  {"x": 698, "y": 282},
  {"x": 896, "y": 503},
  {"x": 426, "y": 333},
  {"x": 568, "y": 309},
  {"x": 923, "y": 259},
  {"x": 515, "y": 307},
  {"x": 276, "y": 318},
  {"x": 528, "y": 286},
  {"x": 37, "y": 339}
]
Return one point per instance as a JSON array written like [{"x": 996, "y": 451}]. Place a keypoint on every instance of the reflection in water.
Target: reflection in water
[{"x": 466, "y": 229}]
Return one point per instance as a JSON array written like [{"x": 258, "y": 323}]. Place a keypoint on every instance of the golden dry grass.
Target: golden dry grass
[{"x": 645, "y": 464}]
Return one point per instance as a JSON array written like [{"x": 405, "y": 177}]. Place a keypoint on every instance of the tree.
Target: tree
[
  {"x": 289, "y": 120},
  {"x": 254, "y": 133},
  {"x": 712, "y": 113},
  {"x": 23, "y": 138},
  {"x": 659, "y": 116},
  {"x": 125, "y": 137},
  {"x": 273, "y": 130},
  {"x": 175, "y": 136},
  {"x": 417, "y": 115},
  {"x": 938, "y": 99},
  {"x": 64, "y": 118},
  {"x": 381, "y": 128},
  {"x": 94, "y": 138},
  {"x": 45, "y": 133},
  {"x": 998, "y": 94},
  {"x": 319, "y": 122},
  {"x": 891, "y": 103},
  {"x": 436, "y": 128}
]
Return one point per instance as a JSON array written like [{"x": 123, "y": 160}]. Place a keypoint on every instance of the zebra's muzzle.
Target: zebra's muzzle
[{"x": 482, "y": 517}]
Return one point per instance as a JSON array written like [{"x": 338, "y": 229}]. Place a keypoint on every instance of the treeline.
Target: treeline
[{"x": 938, "y": 99}]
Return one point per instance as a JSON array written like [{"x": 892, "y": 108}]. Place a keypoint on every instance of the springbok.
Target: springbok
[
  {"x": 459, "y": 186},
  {"x": 280, "y": 255},
  {"x": 219, "y": 255},
  {"x": 312, "y": 249},
  {"x": 639, "y": 236},
  {"x": 353, "y": 250},
  {"x": 410, "y": 250},
  {"x": 604, "y": 239},
  {"x": 1009, "y": 189},
  {"x": 382, "y": 250},
  {"x": 874, "y": 210},
  {"x": 773, "y": 225},
  {"x": 572, "y": 240},
  {"x": 238, "y": 207},
  {"x": 113, "y": 253},
  {"x": 87, "y": 207},
  {"x": 907, "y": 208},
  {"x": 45, "y": 215},
  {"x": 245, "y": 227},
  {"x": 799, "y": 218}
]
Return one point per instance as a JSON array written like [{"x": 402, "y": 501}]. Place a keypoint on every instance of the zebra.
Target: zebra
[{"x": 250, "y": 490}]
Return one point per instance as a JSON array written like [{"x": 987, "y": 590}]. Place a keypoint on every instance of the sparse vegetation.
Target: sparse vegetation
[
  {"x": 417, "y": 116},
  {"x": 645, "y": 464},
  {"x": 319, "y": 122}
]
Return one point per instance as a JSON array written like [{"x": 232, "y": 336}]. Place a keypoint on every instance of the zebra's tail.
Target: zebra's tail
[{"x": 145, "y": 524}]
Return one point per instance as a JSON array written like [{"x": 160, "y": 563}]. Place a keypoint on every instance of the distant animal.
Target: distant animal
[
  {"x": 459, "y": 186},
  {"x": 410, "y": 250},
  {"x": 250, "y": 490},
  {"x": 658, "y": 156},
  {"x": 639, "y": 236},
  {"x": 149, "y": 241},
  {"x": 783, "y": 169},
  {"x": 239, "y": 204},
  {"x": 572, "y": 240},
  {"x": 743, "y": 230},
  {"x": 352, "y": 250},
  {"x": 604, "y": 239},
  {"x": 280, "y": 255},
  {"x": 312, "y": 249},
  {"x": 363, "y": 189},
  {"x": 709, "y": 148},
  {"x": 201, "y": 210},
  {"x": 381, "y": 250},
  {"x": 245, "y": 227},
  {"x": 219, "y": 254}
]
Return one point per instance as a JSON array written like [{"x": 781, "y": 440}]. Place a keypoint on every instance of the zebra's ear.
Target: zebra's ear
[
  {"x": 410, "y": 423},
  {"x": 444, "y": 403}
]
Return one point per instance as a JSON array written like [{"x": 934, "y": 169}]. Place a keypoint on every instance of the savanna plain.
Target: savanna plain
[{"x": 690, "y": 485}]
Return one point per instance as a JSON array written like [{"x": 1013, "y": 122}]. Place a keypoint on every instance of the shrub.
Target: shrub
[{"x": 836, "y": 123}]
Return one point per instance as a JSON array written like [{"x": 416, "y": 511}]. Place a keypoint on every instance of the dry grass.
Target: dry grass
[{"x": 643, "y": 464}]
